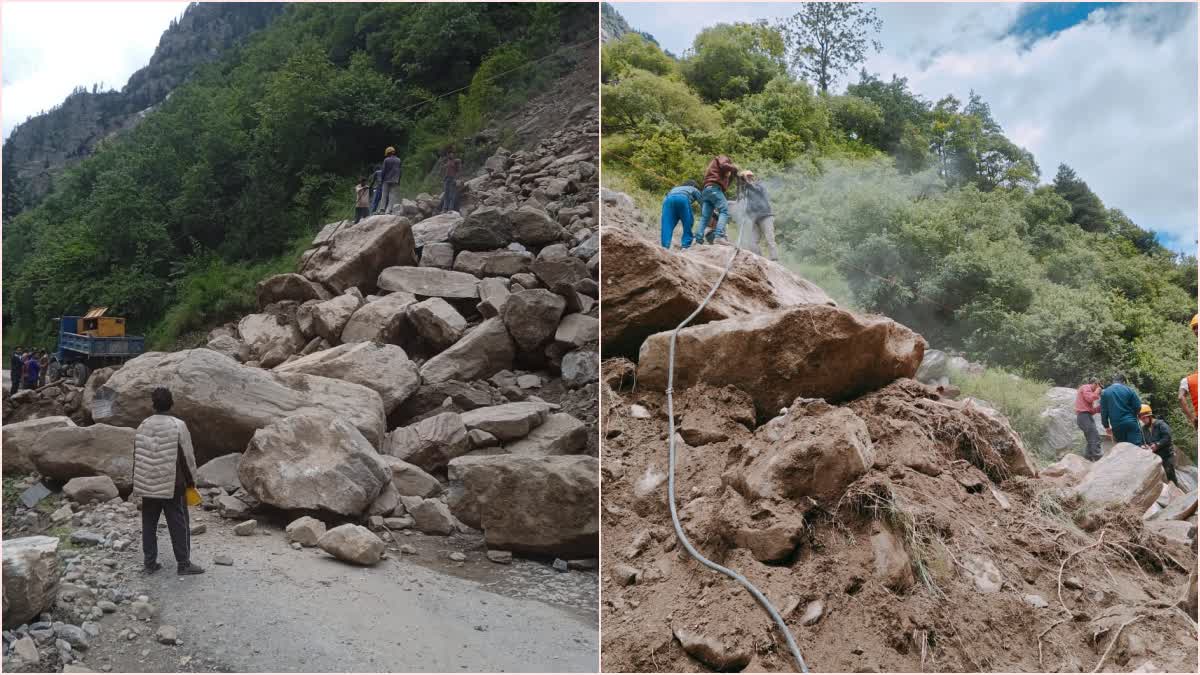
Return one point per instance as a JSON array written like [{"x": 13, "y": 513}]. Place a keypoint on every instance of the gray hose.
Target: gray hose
[{"x": 687, "y": 545}]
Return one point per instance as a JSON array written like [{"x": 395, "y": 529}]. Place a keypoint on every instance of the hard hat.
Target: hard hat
[
  {"x": 1145, "y": 410},
  {"x": 1195, "y": 319},
  {"x": 390, "y": 151},
  {"x": 747, "y": 174}
]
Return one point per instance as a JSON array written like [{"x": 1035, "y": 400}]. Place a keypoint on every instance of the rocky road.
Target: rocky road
[{"x": 285, "y": 610}]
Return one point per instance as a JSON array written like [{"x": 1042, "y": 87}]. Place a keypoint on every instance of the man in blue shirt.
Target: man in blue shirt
[
  {"x": 676, "y": 207},
  {"x": 1119, "y": 408}
]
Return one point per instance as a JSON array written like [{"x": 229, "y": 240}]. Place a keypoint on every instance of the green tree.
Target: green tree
[
  {"x": 1086, "y": 208},
  {"x": 632, "y": 51},
  {"x": 729, "y": 61},
  {"x": 826, "y": 39},
  {"x": 643, "y": 97}
]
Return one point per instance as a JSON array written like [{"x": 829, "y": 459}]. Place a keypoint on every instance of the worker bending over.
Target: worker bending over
[
  {"x": 677, "y": 208},
  {"x": 1156, "y": 436}
]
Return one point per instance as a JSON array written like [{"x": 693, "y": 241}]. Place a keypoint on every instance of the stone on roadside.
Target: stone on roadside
[
  {"x": 352, "y": 543},
  {"x": 500, "y": 557},
  {"x": 166, "y": 634},
  {"x": 305, "y": 531},
  {"x": 1127, "y": 476},
  {"x": 91, "y": 489},
  {"x": 31, "y": 578},
  {"x": 246, "y": 528}
]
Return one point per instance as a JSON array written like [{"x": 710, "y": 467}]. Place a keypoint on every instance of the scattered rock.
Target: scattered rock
[
  {"x": 305, "y": 531},
  {"x": 500, "y": 557},
  {"x": 457, "y": 557},
  {"x": 246, "y": 528},
  {"x": 1127, "y": 475},
  {"x": 712, "y": 652},
  {"x": 352, "y": 543},
  {"x": 166, "y": 634}
]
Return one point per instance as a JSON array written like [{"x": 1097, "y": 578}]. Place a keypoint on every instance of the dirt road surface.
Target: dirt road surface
[{"x": 284, "y": 610}]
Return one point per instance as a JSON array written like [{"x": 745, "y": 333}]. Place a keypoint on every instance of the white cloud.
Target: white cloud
[
  {"x": 1114, "y": 96},
  {"x": 51, "y": 48}
]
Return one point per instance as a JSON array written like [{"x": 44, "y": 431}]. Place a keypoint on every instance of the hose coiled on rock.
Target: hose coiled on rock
[{"x": 687, "y": 544}]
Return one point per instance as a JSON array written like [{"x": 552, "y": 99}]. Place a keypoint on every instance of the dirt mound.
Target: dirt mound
[{"x": 940, "y": 557}]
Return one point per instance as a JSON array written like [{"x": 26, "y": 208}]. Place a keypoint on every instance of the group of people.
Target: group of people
[
  {"x": 1127, "y": 420},
  {"x": 377, "y": 193},
  {"x": 28, "y": 368},
  {"x": 714, "y": 208}
]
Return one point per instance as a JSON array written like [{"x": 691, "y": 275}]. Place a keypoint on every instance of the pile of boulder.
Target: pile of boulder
[{"x": 436, "y": 372}]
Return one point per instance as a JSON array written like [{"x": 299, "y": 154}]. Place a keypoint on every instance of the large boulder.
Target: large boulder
[
  {"x": 815, "y": 351},
  {"x": 481, "y": 353},
  {"x": 816, "y": 450},
  {"x": 224, "y": 402},
  {"x": 538, "y": 505},
  {"x": 532, "y": 316},
  {"x": 88, "y": 489},
  {"x": 437, "y": 322},
  {"x": 331, "y": 316},
  {"x": 20, "y": 439},
  {"x": 533, "y": 227},
  {"x": 560, "y": 434},
  {"x": 288, "y": 287},
  {"x": 648, "y": 289},
  {"x": 1127, "y": 476},
  {"x": 485, "y": 229},
  {"x": 411, "y": 480},
  {"x": 933, "y": 367},
  {"x": 1062, "y": 431},
  {"x": 431, "y": 443},
  {"x": 353, "y": 254},
  {"x": 381, "y": 320},
  {"x": 381, "y": 367},
  {"x": 352, "y": 543},
  {"x": 232, "y": 347},
  {"x": 429, "y": 282},
  {"x": 99, "y": 450},
  {"x": 435, "y": 230},
  {"x": 221, "y": 472},
  {"x": 508, "y": 421},
  {"x": 263, "y": 332},
  {"x": 1068, "y": 471},
  {"x": 313, "y": 462},
  {"x": 501, "y": 263},
  {"x": 31, "y": 577}
]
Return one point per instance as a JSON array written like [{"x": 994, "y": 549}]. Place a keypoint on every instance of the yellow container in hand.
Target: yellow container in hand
[{"x": 192, "y": 496}]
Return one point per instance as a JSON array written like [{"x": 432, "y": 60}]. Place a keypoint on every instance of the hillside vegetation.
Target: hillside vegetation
[
  {"x": 172, "y": 223},
  {"x": 924, "y": 209}
]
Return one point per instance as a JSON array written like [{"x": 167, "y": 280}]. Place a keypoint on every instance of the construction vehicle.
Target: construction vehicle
[{"x": 92, "y": 341}]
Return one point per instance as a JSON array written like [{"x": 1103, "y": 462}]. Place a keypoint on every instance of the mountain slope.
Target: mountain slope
[{"x": 41, "y": 147}]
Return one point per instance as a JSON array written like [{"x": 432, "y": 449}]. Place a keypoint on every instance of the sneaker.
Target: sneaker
[
  {"x": 191, "y": 568},
  {"x": 722, "y": 241},
  {"x": 151, "y": 568}
]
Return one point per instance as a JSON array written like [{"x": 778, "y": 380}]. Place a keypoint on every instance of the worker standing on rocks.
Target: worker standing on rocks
[
  {"x": 450, "y": 182},
  {"x": 1087, "y": 404},
  {"x": 30, "y": 371},
  {"x": 716, "y": 180},
  {"x": 390, "y": 177},
  {"x": 43, "y": 361},
  {"x": 758, "y": 212},
  {"x": 376, "y": 186},
  {"x": 1157, "y": 439},
  {"x": 1119, "y": 409},
  {"x": 677, "y": 208},
  {"x": 362, "y": 195},
  {"x": 1189, "y": 402},
  {"x": 16, "y": 368},
  {"x": 164, "y": 465}
]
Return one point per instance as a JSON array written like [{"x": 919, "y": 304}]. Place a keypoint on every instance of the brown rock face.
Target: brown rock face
[
  {"x": 815, "y": 351},
  {"x": 224, "y": 402},
  {"x": 892, "y": 564},
  {"x": 648, "y": 290},
  {"x": 540, "y": 505},
  {"x": 816, "y": 450},
  {"x": 355, "y": 253}
]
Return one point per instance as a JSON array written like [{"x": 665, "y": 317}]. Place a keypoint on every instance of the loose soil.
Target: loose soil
[{"x": 929, "y": 492}]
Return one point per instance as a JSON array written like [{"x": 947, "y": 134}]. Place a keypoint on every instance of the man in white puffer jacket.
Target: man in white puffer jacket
[{"x": 163, "y": 468}]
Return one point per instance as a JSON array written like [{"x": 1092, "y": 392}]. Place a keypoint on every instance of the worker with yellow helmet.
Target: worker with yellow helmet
[
  {"x": 1156, "y": 437},
  {"x": 390, "y": 177}
]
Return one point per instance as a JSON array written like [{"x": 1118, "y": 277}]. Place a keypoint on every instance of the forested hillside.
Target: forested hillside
[
  {"x": 172, "y": 223},
  {"x": 921, "y": 210}
]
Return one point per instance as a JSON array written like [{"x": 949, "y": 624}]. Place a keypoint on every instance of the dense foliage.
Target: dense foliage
[
  {"x": 241, "y": 164},
  {"x": 925, "y": 210}
]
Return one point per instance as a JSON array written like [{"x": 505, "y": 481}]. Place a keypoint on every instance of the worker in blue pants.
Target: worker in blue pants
[
  {"x": 677, "y": 206},
  {"x": 1119, "y": 409}
]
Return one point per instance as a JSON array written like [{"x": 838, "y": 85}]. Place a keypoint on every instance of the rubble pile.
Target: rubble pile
[{"x": 895, "y": 527}]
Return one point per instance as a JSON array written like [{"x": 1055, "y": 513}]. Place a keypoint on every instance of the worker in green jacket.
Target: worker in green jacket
[{"x": 1119, "y": 408}]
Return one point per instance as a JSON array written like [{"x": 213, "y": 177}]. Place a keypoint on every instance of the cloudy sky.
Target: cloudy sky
[
  {"x": 49, "y": 48},
  {"x": 1109, "y": 89}
]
